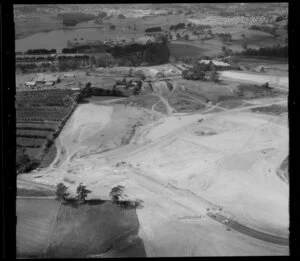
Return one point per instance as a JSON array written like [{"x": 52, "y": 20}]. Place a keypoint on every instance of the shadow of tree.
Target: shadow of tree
[
  {"x": 128, "y": 204},
  {"x": 83, "y": 101},
  {"x": 95, "y": 202},
  {"x": 74, "y": 202}
]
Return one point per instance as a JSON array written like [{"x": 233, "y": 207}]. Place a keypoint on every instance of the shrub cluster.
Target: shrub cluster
[
  {"x": 153, "y": 29},
  {"x": 24, "y": 163},
  {"x": 177, "y": 26}
]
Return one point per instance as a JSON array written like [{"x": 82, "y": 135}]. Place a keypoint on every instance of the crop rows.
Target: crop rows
[
  {"x": 41, "y": 114},
  {"x": 33, "y": 133},
  {"x": 42, "y": 98},
  {"x": 30, "y": 142},
  {"x": 37, "y": 126}
]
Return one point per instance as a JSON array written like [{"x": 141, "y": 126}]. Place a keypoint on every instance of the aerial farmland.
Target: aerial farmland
[{"x": 152, "y": 130}]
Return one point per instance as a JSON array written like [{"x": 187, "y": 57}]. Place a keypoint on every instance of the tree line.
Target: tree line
[
  {"x": 275, "y": 51},
  {"x": 116, "y": 195},
  {"x": 137, "y": 54},
  {"x": 177, "y": 26},
  {"x": 40, "y": 51},
  {"x": 201, "y": 71},
  {"x": 153, "y": 29}
]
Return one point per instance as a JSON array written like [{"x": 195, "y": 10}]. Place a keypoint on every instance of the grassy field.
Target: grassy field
[
  {"x": 250, "y": 91},
  {"x": 23, "y": 192},
  {"x": 94, "y": 228},
  {"x": 207, "y": 91},
  {"x": 26, "y": 27},
  {"x": 230, "y": 104},
  {"x": 49, "y": 156},
  {"x": 35, "y": 221},
  {"x": 186, "y": 50},
  {"x": 46, "y": 229}
]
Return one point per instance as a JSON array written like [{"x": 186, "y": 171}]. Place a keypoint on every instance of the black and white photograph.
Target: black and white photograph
[{"x": 152, "y": 130}]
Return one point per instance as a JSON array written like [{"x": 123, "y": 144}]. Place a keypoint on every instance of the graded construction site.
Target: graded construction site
[{"x": 208, "y": 161}]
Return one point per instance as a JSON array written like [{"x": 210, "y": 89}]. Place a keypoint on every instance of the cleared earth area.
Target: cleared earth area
[{"x": 185, "y": 167}]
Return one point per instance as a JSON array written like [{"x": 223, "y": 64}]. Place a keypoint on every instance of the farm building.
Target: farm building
[
  {"x": 40, "y": 78},
  {"x": 216, "y": 63},
  {"x": 33, "y": 83},
  {"x": 49, "y": 83},
  {"x": 52, "y": 78},
  {"x": 69, "y": 75}
]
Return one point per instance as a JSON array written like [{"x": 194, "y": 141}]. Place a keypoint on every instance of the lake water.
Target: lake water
[{"x": 58, "y": 39}]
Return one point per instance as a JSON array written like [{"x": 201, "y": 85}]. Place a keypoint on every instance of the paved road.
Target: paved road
[{"x": 250, "y": 231}]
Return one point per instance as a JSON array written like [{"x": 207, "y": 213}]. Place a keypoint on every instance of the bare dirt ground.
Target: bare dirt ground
[
  {"x": 280, "y": 82},
  {"x": 183, "y": 167}
]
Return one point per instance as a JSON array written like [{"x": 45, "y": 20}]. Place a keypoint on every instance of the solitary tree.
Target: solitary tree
[
  {"x": 82, "y": 192},
  {"x": 244, "y": 45},
  {"x": 61, "y": 191},
  {"x": 116, "y": 193},
  {"x": 140, "y": 74},
  {"x": 214, "y": 77},
  {"x": 130, "y": 72},
  {"x": 186, "y": 37}
]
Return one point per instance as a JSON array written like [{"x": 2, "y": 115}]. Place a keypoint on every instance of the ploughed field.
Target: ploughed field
[
  {"x": 40, "y": 115},
  {"x": 48, "y": 229}
]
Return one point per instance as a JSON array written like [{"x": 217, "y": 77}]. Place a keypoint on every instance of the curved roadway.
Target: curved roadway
[{"x": 249, "y": 231}]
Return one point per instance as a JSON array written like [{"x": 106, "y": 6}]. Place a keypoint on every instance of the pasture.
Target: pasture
[
  {"x": 35, "y": 221},
  {"x": 207, "y": 91},
  {"x": 180, "y": 49},
  {"x": 46, "y": 229},
  {"x": 93, "y": 229}
]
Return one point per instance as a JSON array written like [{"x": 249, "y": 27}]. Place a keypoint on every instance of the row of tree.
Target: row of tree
[
  {"x": 35, "y": 59},
  {"x": 76, "y": 49},
  {"x": 177, "y": 26},
  {"x": 75, "y": 57},
  {"x": 116, "y": 195},
  {"x": 151, "y": 53},
  {"x": 275, "y": 51},
  {"x": 40, "y": 51},
  {"x": 153, "y": 29},
  {"x": 201, "y": 71},
  {"x": 71, "y": 19}
]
